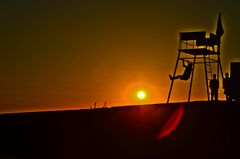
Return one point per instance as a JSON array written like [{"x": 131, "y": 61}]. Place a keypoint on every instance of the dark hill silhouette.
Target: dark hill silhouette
[{"x": 206, "y": 130}]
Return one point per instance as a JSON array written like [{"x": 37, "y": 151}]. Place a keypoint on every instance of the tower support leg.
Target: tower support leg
[
  {"x": 206, "y": 76},
  {"x": 220, "y": 66},
  {"x": 190, "y": 88},
  {"x": 174, "y": 73}
]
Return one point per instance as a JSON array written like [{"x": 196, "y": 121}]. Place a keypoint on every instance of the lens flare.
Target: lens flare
[{"x": 172, "y": 123}]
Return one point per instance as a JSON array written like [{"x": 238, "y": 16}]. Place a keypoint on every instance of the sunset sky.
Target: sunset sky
[{"x": 71, "y": 54}]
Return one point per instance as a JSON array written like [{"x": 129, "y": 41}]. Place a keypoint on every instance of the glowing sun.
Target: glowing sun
[{"x": 141, "y": 95}]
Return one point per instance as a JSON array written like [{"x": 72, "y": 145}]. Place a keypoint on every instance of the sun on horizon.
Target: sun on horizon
[{"x": 141, "y": 94}]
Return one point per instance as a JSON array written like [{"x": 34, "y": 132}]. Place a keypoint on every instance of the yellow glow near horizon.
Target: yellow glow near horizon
[{"x": 141, "y": 95}]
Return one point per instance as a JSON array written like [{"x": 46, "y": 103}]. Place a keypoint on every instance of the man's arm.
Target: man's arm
[
  {"x": 223, "y": 83},
  {"x": 211, "y": 84},
  {"x": 183, "y": 62}
]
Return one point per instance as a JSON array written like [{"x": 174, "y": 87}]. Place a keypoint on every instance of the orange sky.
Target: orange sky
[{"x": 63, "y": 55}]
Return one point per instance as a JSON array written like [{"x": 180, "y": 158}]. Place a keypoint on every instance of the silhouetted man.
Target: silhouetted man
[
  {"x": 226, "y": 86},
  {"x": 214, "y": 86},
  {"x": 187, "y": 72}
]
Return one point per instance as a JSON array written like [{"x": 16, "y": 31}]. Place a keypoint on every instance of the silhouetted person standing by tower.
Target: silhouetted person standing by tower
[
  {"x": 187, "y": 72},
  {"x": 226, "y": 86},
  {"x": 214, "y": 86}
]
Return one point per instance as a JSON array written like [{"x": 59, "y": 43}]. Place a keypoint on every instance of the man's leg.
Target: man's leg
[
  {"x": 227, "y": 96},
  {"x": 216, "y": 96},
  {"x": 173, "y": 78}
]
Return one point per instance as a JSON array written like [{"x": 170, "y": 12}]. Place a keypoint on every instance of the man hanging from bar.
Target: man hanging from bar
[{"x": 187, "y": 72}]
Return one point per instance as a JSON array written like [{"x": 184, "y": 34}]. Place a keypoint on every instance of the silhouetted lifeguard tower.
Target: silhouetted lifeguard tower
[{"x": 198, "y": 48}]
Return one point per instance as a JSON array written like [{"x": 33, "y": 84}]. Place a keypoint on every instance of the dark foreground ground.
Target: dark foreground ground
[{"x": 206, "y": 130}]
